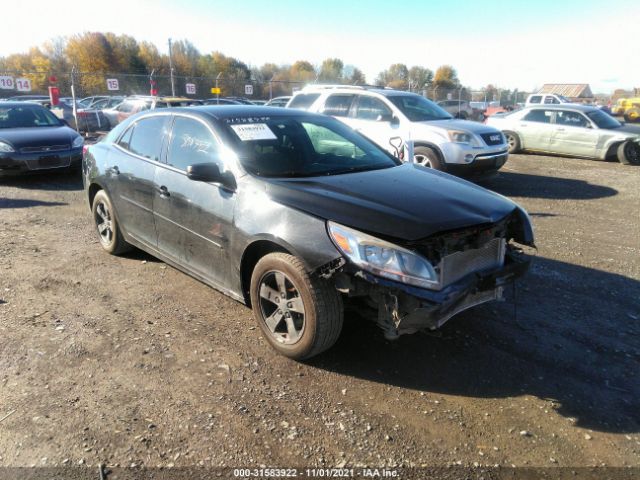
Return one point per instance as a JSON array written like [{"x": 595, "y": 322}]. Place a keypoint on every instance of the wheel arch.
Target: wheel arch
[
  {"x": 251, "y": 256},
  {"x": 432, "y": 146}
]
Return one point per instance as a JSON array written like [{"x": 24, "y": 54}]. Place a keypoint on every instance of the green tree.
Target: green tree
[
  {"x": 420, "y": 78},
  {"x": 396, "y": 76}
]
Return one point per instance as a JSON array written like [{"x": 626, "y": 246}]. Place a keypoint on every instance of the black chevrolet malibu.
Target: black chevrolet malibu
[
  {"x": 32, "y": 139},
  {"x": 295, "y": 214}
]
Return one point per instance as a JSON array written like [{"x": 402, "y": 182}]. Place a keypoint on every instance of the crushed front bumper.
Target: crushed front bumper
[
  {"x": 406, "y": 309},
  {"x": 15, "y": 163}
]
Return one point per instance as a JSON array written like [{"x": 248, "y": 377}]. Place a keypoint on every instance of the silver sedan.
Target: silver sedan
[{"x": 568, "y": 129}]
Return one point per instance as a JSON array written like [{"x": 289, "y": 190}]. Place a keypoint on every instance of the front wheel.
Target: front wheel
[
  {"x": 426, "y": 157},
  {"x": 629, "y": 153},
  {"x": 513, "y": 141},
  {"x": 299, "y": 314},
  {"x": 107, "y": 226}
]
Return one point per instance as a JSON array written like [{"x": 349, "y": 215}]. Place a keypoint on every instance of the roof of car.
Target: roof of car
[
  {"x": 13, "y": 103},
  {"x": 354, "y": 88},
  {"x": 563, "y": 106},
  {"x": 240, "y": 111}
]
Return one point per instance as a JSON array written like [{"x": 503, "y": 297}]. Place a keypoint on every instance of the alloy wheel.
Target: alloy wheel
[
  {"x": 281, "y": 307},
  {"x": 422, "y": 160},
  {"x": 104, "y": 223}
]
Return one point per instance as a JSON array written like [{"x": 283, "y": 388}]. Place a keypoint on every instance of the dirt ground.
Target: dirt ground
[{"x": 128, "y": 362}]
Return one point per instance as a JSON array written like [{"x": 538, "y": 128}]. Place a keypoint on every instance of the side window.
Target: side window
[
  {"x": 146, "y": 137},
  {"x": 303, "y": 100},
  {"x": 370, "y": 108},
  {"x": 338, "y": 105},
  {"x": 535, "y": 99},
  {"x": 572, "y": 119},
  {"x": 161, "y": 105},
  {"x": 125, "y": 139},
  {"x": 191, "y": 143},
  {"x": 551, "y": 101},
  {"x": 539, "y": 116},
  {"x": 125, "y": 107}
]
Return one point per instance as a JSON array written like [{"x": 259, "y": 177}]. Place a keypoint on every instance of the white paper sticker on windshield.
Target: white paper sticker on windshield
[{"x": 254, "y": 131}]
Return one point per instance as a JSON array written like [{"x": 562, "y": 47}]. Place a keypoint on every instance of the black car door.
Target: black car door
[
  {"x": 132, "y": 168},
  {"x": 193, "y": 218}
]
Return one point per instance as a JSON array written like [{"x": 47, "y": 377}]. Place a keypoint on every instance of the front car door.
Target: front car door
[
  {"x": 574, "y": 134},
  {"x": 132, "y": 165},
  {"x": 193, "y": 218},
  {"x": 535, "y": 129},
  {"x": 372, "y": 117}
]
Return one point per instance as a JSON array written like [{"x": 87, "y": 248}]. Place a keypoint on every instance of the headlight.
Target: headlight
[
  {"x": 383, "y": 258},
  {"x": 457, "y": 136},
  {"x": 6, "y": 148},
  {"x": 78, "y": 142}
]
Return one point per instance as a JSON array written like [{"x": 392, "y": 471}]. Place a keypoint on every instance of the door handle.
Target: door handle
[{"x": 164, "y": 192}]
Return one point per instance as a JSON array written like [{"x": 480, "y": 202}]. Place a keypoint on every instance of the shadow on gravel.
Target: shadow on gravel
[
  {"x": 574, "y": 338},
  {"x": 64, "y": 180},
  {"x": 513, "y": 184},
  {"x": 26, "y": 203}
]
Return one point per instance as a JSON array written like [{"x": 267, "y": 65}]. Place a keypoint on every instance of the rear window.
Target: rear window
[
  {"x": 535, "y": 99},
  {"x": 303, "y": 100}
]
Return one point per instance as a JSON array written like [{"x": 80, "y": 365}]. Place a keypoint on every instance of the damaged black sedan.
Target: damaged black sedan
[{"x": 295, "y": 214}]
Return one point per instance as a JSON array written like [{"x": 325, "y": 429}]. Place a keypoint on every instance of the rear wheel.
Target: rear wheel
[
  {"x": 632, "y": 115},
  {"x": 107, "y": 226},
  {"x": 299, "y": 314},
  {"x": 513, "y": 141},
  {"x": 427, "y": 157},
  {"x": 629, "y": 153}
]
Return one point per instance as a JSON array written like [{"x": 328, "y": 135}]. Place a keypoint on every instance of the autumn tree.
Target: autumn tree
[
  {"x": 353, "y": 75},
  {"x": 331, "y": 71},
  {"x": 419, "y": 78}
]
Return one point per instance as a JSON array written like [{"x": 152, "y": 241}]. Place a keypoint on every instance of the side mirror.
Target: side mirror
[{"x": 210, "y": 172}]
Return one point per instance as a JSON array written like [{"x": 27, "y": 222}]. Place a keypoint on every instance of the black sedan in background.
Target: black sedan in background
[
  {"x": 295, "y": 213},
  {"x": 33, "y": 139}
]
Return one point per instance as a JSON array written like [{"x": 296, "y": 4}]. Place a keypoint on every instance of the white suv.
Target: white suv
[{"x": 391, "y": 118}]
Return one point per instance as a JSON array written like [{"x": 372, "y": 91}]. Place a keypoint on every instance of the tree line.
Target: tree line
[{"x": 106, "y": 53}]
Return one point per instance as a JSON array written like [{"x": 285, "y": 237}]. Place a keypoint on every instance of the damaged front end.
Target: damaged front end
[{"x": 460, "y": 269}]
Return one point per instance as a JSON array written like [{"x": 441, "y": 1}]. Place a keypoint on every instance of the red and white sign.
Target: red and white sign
[
  {"x": 23, "y": 84},
  {"x": 191, "y": 88},
  {"x": 113, "y": 84},
  {"x": 7, "y": 83}
]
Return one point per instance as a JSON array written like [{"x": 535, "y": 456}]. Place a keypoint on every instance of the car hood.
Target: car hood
[
  {"x": 455, "y": 124},
  {"x": 626, "y": 128},
  {"x": 37, "y": 136},
  {"x": 408, "y": 202}
]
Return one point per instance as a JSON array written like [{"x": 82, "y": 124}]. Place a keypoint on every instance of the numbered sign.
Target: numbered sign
[
  {"x": 113, "y": 84},
  {"x": 248, "y": 89},
  {"x": 7, "y": 83},
  {"x": 191, "y": 88},
  {"x": 23, "y": 84}
]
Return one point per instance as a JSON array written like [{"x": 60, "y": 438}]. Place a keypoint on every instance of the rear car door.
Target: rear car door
[
  {"x": 535, "y": 129},
  {"x": 132, "y": 167},
  {"x": 193, "y": 218},
  {"x": 574, "y": 134}
]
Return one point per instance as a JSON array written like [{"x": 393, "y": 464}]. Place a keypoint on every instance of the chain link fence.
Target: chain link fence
[{"x": 14, "y": 83}]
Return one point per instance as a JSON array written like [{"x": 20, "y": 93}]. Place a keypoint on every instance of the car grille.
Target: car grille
[
  {"x": 492, "y": 138},
  {"x": 45, "y": 149},
  {"x": 457, "y": 265}
]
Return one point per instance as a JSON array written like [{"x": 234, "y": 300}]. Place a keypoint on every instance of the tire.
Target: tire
[
  {"x": 427, "y": 157},
  {"x": 629, "y": 153},
  {"x": 513, "y": 140},
  {"x": 299, "y": 314},
  {"x": 632, "y": 115},
  {"x": 107, "y": 226}
]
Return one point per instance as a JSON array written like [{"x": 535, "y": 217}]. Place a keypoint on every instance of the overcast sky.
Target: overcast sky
[{"x": 510, "y": 44}]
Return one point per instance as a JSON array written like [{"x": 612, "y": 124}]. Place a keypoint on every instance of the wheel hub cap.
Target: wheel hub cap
[{"x": 284, "y": 319}]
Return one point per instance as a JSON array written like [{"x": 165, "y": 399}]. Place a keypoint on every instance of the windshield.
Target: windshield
[
  {"x": 26, "y": 116},
  {"x": 303, "y": 147},
  {"x": 603, "y": 120},
  {"x": 419, "y": 109}
]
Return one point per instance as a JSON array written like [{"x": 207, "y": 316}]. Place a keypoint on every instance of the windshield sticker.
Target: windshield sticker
[{"x": 253, "y": 131}]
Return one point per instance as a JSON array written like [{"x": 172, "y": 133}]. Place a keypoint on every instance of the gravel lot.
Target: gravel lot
[{"x": 128, "y": 362}]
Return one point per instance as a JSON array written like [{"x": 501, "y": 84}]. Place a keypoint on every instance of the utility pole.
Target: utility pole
[{"x": 173, "y": 85}]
